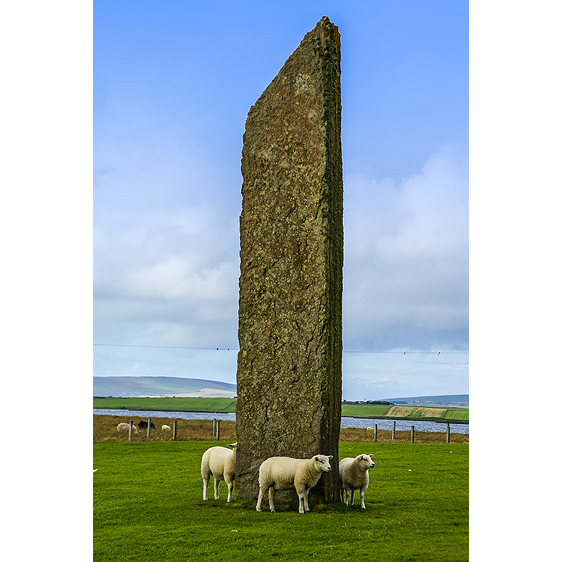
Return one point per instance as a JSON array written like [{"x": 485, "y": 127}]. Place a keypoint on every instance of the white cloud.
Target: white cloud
[
  {"x": 170, "y": 277},
  {"x": 406, "y": 259},
  {"x": 179, "y": 277},
  {"x": 431, "y": 211},
  {"x": 166, "y": 277}
]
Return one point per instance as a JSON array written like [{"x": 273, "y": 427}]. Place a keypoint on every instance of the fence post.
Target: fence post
[
  {"x": 393, "y": 429},
  {"x": 148, "y": 430},
  {"x": 175, "y": 430},
  {"x": 218, "y": 430},
  {"x": 412, "y": 433},
  {"x": 131, "y": 430},
  {"x": 448, "y": 433},
  {"x": 375, "y": 433}
]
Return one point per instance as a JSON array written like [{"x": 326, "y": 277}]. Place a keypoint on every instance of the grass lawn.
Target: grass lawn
[
  {"x": 365, "y": 410},
  {"x": 226, "y": 405},
  {"x": 148, "y": 506}
]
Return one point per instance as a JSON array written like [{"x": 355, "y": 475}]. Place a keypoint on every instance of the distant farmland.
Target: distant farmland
[
  {"x": 228, "y": 405},
  {"x": 459, "y": 415},
  {"x": 224, "y": 405}
]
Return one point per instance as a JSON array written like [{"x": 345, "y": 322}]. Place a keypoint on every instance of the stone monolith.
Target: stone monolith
[{"x": 291, "y": 239}]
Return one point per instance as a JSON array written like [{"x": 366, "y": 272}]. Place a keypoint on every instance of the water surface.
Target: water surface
[{"x": 401, "y": 425}]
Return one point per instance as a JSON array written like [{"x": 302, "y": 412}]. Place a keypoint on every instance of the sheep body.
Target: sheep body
[
  {"x": 166, "y": 428},
  {"x": 354, "y": 475},
  {"x": 282, "y": 473},
  {"x": 221, "y": 463},
  {"x": 124, "y": 428}
]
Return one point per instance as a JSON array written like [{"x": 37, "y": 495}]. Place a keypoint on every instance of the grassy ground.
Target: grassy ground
[
  {"x": 105, "y": 429},
  {"x": 226, "y": 405},
  {"x": 406, "y": 412},
  {"x": 363, "y": 410},
  {"x": 148, "y": 506}
]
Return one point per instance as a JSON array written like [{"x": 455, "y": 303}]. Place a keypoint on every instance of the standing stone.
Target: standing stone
[{"x": 291, "y": 237}]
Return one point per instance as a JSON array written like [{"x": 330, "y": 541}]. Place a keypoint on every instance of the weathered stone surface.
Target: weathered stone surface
[{"x": 291, "y": 236}]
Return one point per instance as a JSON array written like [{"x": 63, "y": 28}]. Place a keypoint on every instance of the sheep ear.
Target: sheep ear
[
  {"x": 371, "y": 456},
  {"x": 330, "y": 456}
]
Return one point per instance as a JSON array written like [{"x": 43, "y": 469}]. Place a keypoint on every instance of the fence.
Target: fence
[
  {"x": 216, "y": 429},
  {"x": 212, "y": 429},
  {"x": 412, "y": 433}
]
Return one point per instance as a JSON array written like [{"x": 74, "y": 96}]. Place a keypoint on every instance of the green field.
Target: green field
[
  {"x": 228, "y": 405},
  {"x": 363, "y": 411},
  {"x": 460, "y": 414},
  {"x": 148, "y": 506}
]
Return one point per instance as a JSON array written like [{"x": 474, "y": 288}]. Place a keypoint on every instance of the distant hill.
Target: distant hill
[
  {"x": 161, "y": 386},
  {"x": 449, "y": 400},
  {"x": 179, "y": 386}
]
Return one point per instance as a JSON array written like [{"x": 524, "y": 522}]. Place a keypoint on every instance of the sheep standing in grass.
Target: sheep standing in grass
[
  {"x": 354, "y": 475},
  {"x": 124, "y": 428},
  {"x": 221, "y": 463},
  {"x": 166, "y": 428},
  {"x": 282, "y": 473}
]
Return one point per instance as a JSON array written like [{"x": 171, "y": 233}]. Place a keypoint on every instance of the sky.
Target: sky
[{"x": 172, "y": 86}]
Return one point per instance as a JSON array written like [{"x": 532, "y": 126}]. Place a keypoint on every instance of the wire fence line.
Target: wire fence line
[{"x": 399, "y": 352}]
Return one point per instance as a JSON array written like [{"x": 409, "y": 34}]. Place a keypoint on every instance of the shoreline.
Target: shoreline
[{"x": 386, "y": 418}]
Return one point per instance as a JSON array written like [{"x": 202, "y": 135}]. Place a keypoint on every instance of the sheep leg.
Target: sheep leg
[
  {"x": 345, "y": 495},
  {"x": 229, "y": 484},
  {"x": 352, "y": 496},
  {"x": 205, "y": 485},
  {"x": 306, "y": 507},
  {"x": 302, "y": 501},
  {"x": 260, "y": 497},
  {"x": 363, "y": 497},
  {"x": 217, "y": 482},
  {"x": 271, "y": 494}
]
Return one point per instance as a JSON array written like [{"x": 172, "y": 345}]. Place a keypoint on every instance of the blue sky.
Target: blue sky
[{"x": 173, "y": 82}]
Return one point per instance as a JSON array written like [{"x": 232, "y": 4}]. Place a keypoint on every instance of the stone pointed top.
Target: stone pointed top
[{"x": 324, "y": 26}]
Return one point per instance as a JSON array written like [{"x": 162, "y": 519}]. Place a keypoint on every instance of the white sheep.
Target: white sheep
[
  {"x": 124, "y": 428},
  {"x": 166, "y": 428},
  {"x": 354, "y": 475},
  {"x": 282, "y": 473},
  {"x": 221, "y": 463}
]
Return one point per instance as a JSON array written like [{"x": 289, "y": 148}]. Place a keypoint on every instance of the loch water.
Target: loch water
[{"x": 401, "y": 425}]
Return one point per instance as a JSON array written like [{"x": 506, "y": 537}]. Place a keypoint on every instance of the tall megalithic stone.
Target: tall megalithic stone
[{"x": 291, "y": 237}]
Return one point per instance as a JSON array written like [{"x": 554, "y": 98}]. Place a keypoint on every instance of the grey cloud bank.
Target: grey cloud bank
[
  {"x": 170, "y": 278},
  {"x": 406, "y": 260}
]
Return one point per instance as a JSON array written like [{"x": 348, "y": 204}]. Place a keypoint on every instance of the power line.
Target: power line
[
  {"x": 233, "y": 349},
  {"x": 165, "y": 346},
  {"x": 409, "y": 352}
]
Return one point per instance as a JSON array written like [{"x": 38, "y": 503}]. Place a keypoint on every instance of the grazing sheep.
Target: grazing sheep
[
  {"x": 166, "y": 428},
  {"x": 144, "y": 425},
  {"x": 221, "y": 463},
  {"x": 354, "y": 475},
  {"x": 124, "y": 428},
  {"x": 281, "y": 473}
]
